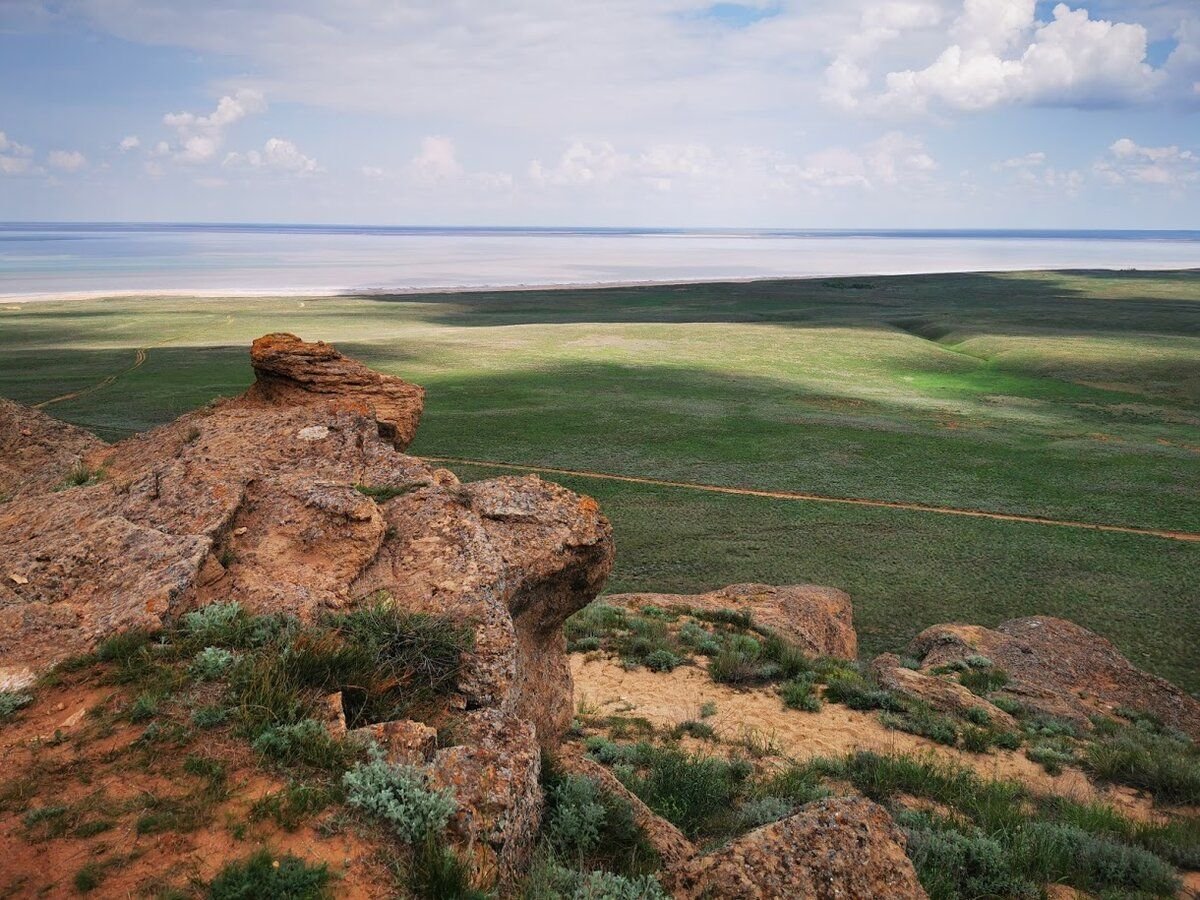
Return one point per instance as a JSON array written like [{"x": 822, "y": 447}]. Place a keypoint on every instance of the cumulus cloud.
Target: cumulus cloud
[
  {"x": 131, "y": 142},
  {"x": 14, "y": 157},
  {"x": 199, "y": 138},
  {"x": 1072, "y": 60},
  {"x": 66, "y": 160},
  {"x": 1034, "y": 170},
  {"x": 1130, "y": 162},
  {"x": 277, "y": 155},
  {"x": 1003, "y": 55},
  {"x": 437, "y": 161}
]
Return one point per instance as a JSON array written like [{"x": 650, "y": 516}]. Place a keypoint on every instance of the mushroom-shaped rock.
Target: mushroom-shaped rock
[
  {"x": 1060, "y": 669},
  {"x": 293, "y": 372},
  {"x": 845, "y": 848},
  {"x": 818, "y": 619}
]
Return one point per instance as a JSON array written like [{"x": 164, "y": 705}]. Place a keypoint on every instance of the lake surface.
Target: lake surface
[{"x": 50, "y": 259}]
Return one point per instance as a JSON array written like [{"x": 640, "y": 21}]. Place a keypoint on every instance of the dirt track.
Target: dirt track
[{"x": 822, "y": 498}]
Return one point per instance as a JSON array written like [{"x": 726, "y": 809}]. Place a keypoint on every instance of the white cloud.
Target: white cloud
[
  {"x": 1028, "y": 161},
  {"x": 131, "y": 142},
  {"x": 893, "y": 160},
  {"x": 278, "y": 155},
  {"x": 14, "y": 157},
  {"x": 1130, "y": 163},
  {"x": 66, "y": 160},
  {"x": 199, "y": 138},
  {"x": 437, "y": 161},
  {"x": 1003, "y": 55}
]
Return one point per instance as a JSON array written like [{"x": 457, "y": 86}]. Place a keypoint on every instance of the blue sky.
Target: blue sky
[{"x": 810, "y": 113}]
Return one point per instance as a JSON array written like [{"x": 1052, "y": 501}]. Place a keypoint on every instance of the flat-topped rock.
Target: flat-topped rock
[{"x": 818, "y": 619}]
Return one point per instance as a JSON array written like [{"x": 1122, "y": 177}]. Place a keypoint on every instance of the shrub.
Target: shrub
[
  {"x": 11, "y": 701},
  {"x": 1165, "y": 766},
  {"x": 977, "y": 715},
  {"x": 692, "y": 728},
  {"x": 584, "y": 645},
  {"x": 594, "y": 827},
  {"x": 88, "y": 878},
  {"x": 383, "y": 492},
  {"x": 791, "y": 661},
  {"x": 306, "y": 741},
  {"x": 975, "y": 739},
  {"x": 211, "y": 663},
  {"x": 855, "y": 692},
  {"x": 798, "y": 782},
  {"x": 661, "y": 660},
  {"x": 292, "y": 805},
  {"x": 763, "y": 811},
  {"x": 724, "y": 617},
  {"x": 80, "y": 476},
  {"x": 708, "y": 709},
  {"x": 975, "y": 661},
  {"x": 551, "y": 880},
  {"x": 260, "y": 875},
  {"x": 401, "y": 796},
  {"x": 144, "y": 707},
  {"x": 983, "y": 681},
  {"x": 693, "y": 635},
  {"x": 920, "y": 719},
  {"x": 209, "y": 716},
  {"x": 952, "y": 864},
  {"x": 738, "y": 661},
  {"x": 800, "y": 694},
  {"x": 695, "y": 792},
  {"x": 438, "y": 873},
  {"x": 1050, "y": 757},
  {"x": 596, "y": 620}
]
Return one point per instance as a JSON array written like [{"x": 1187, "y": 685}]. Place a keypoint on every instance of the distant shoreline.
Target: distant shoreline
[{"x": 325, "y": 293}]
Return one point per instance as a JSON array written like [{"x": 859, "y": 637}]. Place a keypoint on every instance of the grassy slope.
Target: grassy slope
[{"x": 1072, "y": 396}]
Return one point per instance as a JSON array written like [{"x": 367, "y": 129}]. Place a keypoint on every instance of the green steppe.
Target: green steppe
[{"x": 1066, "y": 395}]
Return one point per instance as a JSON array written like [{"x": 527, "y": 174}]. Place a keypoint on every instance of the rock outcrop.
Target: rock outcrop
[
  {"x": 839, "y": 849},
  {"x": 37, "y": 452},
  {"x": 940, "y": 693},
  {"x": 1060, "y": 669},
  {"x": 818, "y": 619},
  {"x": 295, "y": 497}
]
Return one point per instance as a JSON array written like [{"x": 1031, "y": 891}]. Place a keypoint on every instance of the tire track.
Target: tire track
[{"x": 1188, "y": 536}]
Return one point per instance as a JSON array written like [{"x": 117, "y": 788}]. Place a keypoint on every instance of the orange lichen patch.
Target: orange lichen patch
[{"x": 668, "y": 698}]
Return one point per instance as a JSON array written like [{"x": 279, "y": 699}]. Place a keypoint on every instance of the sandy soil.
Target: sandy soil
[{"x": 666, "y": 699}]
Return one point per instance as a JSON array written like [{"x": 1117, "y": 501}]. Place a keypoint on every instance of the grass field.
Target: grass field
[{"x": 1072, "y": 396}]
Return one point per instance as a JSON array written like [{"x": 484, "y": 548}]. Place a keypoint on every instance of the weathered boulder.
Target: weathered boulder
[
  {"x": 1060, "y": 669},
  {"x": 37, "y": 452},
  {"x": 837, "y": 849},
  {"x": 818, "y": 619},
  {"x": 494, "y": 770},
  {"x": 516, "y": 556},
  {"x": 289, "y": 371},
  {"x": 939, "y": 692}
]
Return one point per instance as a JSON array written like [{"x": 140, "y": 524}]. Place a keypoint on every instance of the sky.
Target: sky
[{"x": 762, "y": 113}]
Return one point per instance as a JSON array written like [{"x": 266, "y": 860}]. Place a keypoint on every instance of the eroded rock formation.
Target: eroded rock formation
[
  {"x": 295, "y": 497},
  {"x": 833, "y": 849},
  {"x": 818, "y": 619},
  {"x": 37, "y": 452},
  {"x": 1060, "y": 669}
]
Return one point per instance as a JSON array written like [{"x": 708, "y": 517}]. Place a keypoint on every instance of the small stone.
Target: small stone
[
  {"x": 313, "y": 433},
  {"x": 18, "y": 579}
]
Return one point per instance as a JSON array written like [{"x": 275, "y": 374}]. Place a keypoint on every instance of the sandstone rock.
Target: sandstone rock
[
  {"x": 494, "y": 771},
  {"x": 1061, "y": 669},
  {"x": 818, "y": 619},
  {"x": 37, "y": 452},
  {"x": 403, "y": 742},
  {"x": 843, "y": 848},
  {"x": 515, "y": 556},
  {"x": 292, "y": 372},
  {"x": 940, "y": 693},
  {"x": 669, "y": 842},
  {"x": 253, "y": 499}
]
